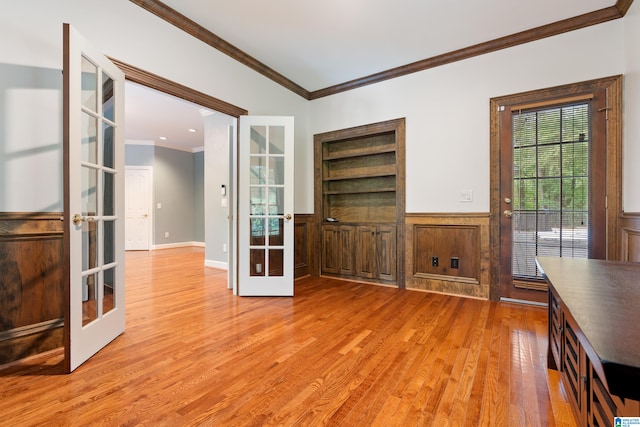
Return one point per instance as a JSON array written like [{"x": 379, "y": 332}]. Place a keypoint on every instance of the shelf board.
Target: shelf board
[
  {"x": 376, "y": 190},
  {"x": 359, "y": 153},
  {"x": 361, "y": 176}
]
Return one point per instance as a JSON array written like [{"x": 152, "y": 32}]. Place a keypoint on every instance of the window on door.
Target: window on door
[{"x": 551, "y": 181}]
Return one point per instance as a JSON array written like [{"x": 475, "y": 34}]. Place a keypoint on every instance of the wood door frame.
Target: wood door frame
[{"x": 613, "y": 87}]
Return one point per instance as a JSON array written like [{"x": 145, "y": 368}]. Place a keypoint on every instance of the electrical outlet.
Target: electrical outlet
[
  {"x": 434, "y": 261},
  {"x": 166, "y": 234},
  {"x": 455, "y": 262},
  {"x": 224, "y": 247}
]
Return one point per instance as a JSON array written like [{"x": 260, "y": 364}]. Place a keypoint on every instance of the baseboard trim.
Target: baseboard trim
[
  {"x": 178, "y": 245},
  {"x": 216, "y": 264},
  {"x": 521, "y": 301}
]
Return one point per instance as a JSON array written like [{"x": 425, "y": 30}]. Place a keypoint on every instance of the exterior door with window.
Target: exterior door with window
[
  {"x": 94, "y": 203},
  {"x": 265, "y": 206},
  {"x": 553, "y": 188}
]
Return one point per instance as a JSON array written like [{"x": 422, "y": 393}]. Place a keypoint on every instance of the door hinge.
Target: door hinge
[{"x": 606, "y": 112}]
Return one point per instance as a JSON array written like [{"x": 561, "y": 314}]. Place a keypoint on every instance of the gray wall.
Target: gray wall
[
  {"x": 173, "y": 189},
  {"x": 198, "y": 196},
  {"x": 178, "y": 185},
  {"x": 138, "y": 155},
  {"x": 30, "y": 139}
]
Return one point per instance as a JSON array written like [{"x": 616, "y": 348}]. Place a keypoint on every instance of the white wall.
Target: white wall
[
  {"x": 631, "y": 136},
  {"x": 31, "y": 31},
  {"x": 216, "y": 173},
  {"x": 447, "y": 109}
]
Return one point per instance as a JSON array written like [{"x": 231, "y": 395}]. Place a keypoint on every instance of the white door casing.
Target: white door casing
[{"x": 94, "y": 202}]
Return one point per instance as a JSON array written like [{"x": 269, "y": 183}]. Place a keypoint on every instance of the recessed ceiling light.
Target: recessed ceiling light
[
  {"x": 164, "y": 138},
  {"x": 193, "y": 130}
]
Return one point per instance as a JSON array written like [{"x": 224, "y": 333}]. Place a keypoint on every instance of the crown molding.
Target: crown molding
[
  {"x": 566, "y": 25},
  {"x": 189, "y": 26}
]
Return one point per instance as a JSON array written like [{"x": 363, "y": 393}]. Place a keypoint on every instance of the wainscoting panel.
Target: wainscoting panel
[
  {"x": 31, "y": 284},
  {"x": 630, "y": 237},
  {"x": 448, "y": 253},
  {"x": 304, "y": 243}
]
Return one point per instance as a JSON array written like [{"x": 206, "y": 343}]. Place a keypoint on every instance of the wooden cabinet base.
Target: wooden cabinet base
[{"x": 581, "y": 350}]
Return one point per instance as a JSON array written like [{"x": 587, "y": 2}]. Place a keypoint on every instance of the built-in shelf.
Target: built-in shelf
[
  {"x": 360, "y": 176},
  {"x": 360, "y": 181},
  {"x": 373, "y": 190},
  {"x": 349, "y": 155}
]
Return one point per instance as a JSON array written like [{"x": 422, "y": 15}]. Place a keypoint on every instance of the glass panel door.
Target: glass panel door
[
  {"x": 94, "y": 208},
  {"x": 266, "y": 206}
]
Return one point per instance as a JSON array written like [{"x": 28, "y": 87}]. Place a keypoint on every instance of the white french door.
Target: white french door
[
  {"x": 265, "y": 206},
  {"x": 94, "y": 203}
]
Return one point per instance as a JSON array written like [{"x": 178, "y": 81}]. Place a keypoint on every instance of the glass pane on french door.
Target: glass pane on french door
[
  {"x": 97, "y": 185},
  {"x": 550, "y": 185},
  {"x": 267, "y": 201}
]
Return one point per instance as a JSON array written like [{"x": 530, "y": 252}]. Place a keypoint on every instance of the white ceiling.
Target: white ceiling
[
  {"x": 318, "y": 44},
  {"x": 150, "y": 115}
]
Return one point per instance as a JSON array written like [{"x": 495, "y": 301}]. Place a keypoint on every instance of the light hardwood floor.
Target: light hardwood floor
[{"x": 338, "y": 353}]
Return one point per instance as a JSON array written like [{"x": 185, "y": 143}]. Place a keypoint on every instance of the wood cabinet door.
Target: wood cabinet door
[
  {"x": 366, "y": 252},
  {"x": 386, "y": 252},
  {"x": 347, "y": 250},
  {"x": 331, "y": 249}
]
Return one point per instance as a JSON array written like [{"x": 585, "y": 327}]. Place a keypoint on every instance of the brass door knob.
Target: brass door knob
[
  {"x": 77, "y": 219},
  {"x": 507, "y": 213}
]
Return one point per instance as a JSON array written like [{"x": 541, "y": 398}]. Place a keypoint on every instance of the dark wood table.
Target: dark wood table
[{"x": 604, "y": 299}]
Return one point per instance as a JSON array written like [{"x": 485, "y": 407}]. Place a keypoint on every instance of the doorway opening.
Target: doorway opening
[{"x": 160, "y": 84}]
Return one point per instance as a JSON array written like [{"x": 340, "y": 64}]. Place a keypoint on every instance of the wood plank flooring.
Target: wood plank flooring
[{"x": 338, "y": 353}]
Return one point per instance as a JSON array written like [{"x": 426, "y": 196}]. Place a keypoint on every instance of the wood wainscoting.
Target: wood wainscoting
[
  {"x": 630, "y": 237},
  {"x": 305, "y": 244},
  {"x": 31, "y": 284},
  {"x": 452, "y": 238}
]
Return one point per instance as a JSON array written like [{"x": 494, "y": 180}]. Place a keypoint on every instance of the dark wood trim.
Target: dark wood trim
[
  {"x": 441, "y": 279},
  {"x": 613, "y": 87},
  {"x": 553, "y": 29},
  {"x": 305, "y": 262},
  {"x": 187, "y": 25},
  {"x": 34, "y": 328},
  {"x": 447, "y": 215},
  {"x": 31, "y": 288},
  {"x": 140, "y": 76},
  {"x": 623, "y": 6},
  {"x": 630, "y": 237},
  {"x": 66, "y": 252},
  {"x": 173, "y": 17}
]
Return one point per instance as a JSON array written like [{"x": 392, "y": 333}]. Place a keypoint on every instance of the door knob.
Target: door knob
[
  {"x": 77, "y": 219},
  {"x": 288, "y": 217},
  {"x": 507, "y": 213}
]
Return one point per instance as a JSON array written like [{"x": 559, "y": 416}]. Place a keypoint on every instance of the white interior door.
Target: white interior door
[
  {"x": 265, "y": 206},
  {"x": 137, "y": 206},
  {"x": 94, "y": 203}
]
